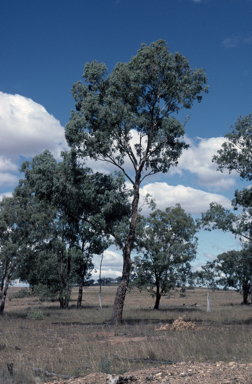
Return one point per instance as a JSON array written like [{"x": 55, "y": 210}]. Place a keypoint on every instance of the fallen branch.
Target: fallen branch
[
  {"x": 147, "y": 360},
  {"x": 38, "y": 372}
]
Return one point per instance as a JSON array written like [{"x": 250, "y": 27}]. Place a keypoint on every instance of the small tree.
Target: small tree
[
  {"x": 167, "y": 244},
  {"x": 235, "y": 270},
  {"x": 229, "y": 269},
  {"x": 129, "y": 115},
  {"x": 25, "y": 224}
]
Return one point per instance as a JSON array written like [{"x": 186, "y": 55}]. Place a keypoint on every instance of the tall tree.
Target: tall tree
[
  {"x": 166, "y": 244},
  {"x": 128, "y": 115}
]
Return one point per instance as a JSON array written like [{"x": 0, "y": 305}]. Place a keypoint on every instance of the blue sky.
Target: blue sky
[{"x": 44, "y": 45}]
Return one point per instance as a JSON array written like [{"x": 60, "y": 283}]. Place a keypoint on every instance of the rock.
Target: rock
[{"x": 111, "y": 379}]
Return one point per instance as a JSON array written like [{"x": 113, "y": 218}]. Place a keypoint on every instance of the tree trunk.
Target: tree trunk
[
  {"x": 64, "y": 301},
  {"x": 251, "y": 289},
  {"x": 64, "y": 295},
  {"x": 79, "y": 300},
  {"x": 3, "y": 294},
  {"x": 245, "y": 292},
  {"x": 158, "y": 297},
  {"x": 4, "y": 289},
  {"x": 122, "y": 288}
]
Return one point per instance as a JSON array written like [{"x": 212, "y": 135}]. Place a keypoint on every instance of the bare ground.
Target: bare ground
[{"x": 191, "y": 372}]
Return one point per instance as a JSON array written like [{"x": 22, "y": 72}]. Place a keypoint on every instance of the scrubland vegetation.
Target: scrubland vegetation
[{"x": 70, "y": 342}]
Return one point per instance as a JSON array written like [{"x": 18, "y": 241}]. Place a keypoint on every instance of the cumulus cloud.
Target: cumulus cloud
[
  {"x": 111, "y": 265},
  {"x": 7, "y": 165},
  {"x": 194, "y": 201},
  {"x": 26, "y": 130},
  {"x": 198, "y": 160},
  {"x": 8, "y": 180}
]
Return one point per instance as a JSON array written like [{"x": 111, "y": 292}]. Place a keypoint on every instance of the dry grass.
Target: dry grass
[{"x": 74, "y": 341}]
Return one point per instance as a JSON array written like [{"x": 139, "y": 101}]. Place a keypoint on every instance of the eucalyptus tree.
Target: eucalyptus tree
[
  {"x": 130, "y": 116},
  {"x": 25, "y": 223},
  {"x": 89, "y": 208},
  {"x": 235, "y": 270},
  {"x": 229, "y": 269},
  {"x": 166, "y": 244}
]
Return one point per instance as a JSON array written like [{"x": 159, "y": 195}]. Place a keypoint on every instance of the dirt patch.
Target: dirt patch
[{"x": 192, "y": 372}]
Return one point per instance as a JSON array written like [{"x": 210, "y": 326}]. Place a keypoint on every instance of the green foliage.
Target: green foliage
[
  {"x": 236, "y": 152},
  {"x": 24, "y": 226},
  {"x": 166, "y": 245},
  {"x": 35, "y": 314},
  {"x": 235, "y": 155},
  {"x": 22, "y": 293},
  {"x": 217, "y": 217},
  {"x": 207, "y": 276},
  {"x": 235, "y": 267}
]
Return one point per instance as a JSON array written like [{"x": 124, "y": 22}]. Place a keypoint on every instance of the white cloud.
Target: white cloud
[
  {"x": 198, "y": 160},
  {"x": 7, "y": 165},
  {"x": 192, "y": 200},
  {"x": 26, "y": 129},
  {"x": 6, "y": 194},
  {"x": 111, "y": 265},
  {"x": 8, "y": 180}
]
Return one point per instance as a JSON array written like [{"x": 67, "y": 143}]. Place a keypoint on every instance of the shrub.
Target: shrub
[
  {"x": 22, "y": 293},
  {"x": 35, "y": 314}
]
